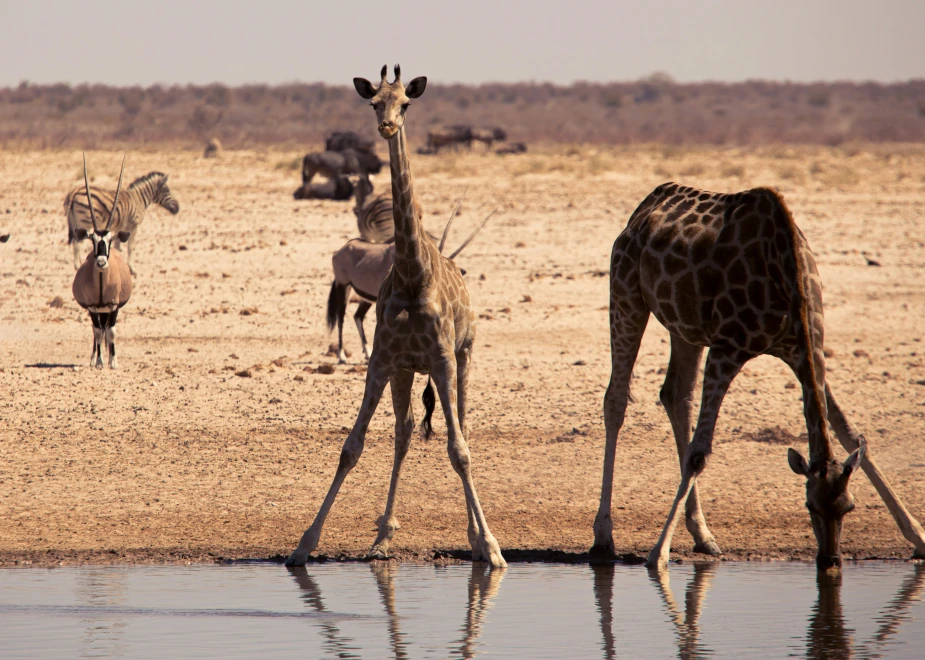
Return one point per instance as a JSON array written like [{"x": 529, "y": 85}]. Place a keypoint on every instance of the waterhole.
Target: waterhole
[{"x": 389, "y": 610}]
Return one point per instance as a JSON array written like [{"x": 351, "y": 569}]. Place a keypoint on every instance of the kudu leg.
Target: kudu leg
[
  {"x": 848, "y": 436},
  {"x": 376, "y": 378}
]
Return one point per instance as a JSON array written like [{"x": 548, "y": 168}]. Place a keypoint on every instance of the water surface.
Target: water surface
[{"x": 387, "y": 610}]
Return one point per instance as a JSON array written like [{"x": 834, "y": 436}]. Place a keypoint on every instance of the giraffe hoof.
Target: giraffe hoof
[
  {"x": 297, "y": 558},
  {"x": 378, "y": 553},
  {"x": 655, "y": 562},
  {"x": 918, "y": 554},
  {"x": 602, "y": 550},
  {"x": 708, "y": 548}
]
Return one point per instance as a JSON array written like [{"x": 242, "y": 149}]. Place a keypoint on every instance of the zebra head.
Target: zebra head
[
  {"x": 390, "y": 100},
  {"x": 102, "y": 238}
]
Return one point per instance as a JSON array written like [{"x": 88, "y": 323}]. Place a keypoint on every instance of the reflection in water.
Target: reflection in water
[
  {"x": 827, "y": 636},
  {"x": 334, "y": 641},
  {"x": 687, "y": 623},
  {"x": 603, "y": 596},
  {"x": 103, "y": 635},
  {"x": 484, "y": 583}
]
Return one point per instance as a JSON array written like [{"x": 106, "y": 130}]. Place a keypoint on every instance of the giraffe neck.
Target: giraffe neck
[{"x": 412, "y": 265}]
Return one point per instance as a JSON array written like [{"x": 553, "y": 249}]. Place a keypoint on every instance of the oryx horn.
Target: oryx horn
[
  {"x": 446, "y": 230},
  {"x": 115, "y": 202},
  {"x": 89, "y": 200},
  {"x": 472, "y": 235}
]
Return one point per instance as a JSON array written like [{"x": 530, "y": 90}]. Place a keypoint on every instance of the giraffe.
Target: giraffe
[
  {"x": 425, "y": 324},
  {"x": 731, "y": 272}
]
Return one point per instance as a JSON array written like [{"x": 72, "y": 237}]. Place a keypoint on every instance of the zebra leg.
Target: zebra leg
[
  {"x": 358, "y": 318},
  {"x": 128, "y": 254}
]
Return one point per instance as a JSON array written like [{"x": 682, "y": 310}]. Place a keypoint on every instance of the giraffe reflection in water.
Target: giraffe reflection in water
[
  {"x": 484, "y": 584},
  {"x": 827, "y": 635}
]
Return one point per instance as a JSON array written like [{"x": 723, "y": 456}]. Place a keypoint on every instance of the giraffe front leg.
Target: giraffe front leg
[
  {"x": 445, "y": 380},
  {"x": 402, "y": 382},
  {"x": 463, "y": 359},
  {"x": 908, "y": 525},
  {"x": 376, "y": 378}
]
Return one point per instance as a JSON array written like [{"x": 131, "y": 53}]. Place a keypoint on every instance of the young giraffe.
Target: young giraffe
[
  {"x": 731, "y": 272},
  {"x": 425, "y": 324}
]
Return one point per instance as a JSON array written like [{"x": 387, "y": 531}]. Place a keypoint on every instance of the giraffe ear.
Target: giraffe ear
[
  {"x": 797, "y": 462},
  {"x": 364, "y": 88},
  {"x": 416, "y": 87}
]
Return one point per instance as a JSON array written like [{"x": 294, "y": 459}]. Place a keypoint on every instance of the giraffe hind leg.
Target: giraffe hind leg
[
  {"x": 676, "y": 397},
  {"x": 722, "y": 367},
  {"x": 626, "y": 330}
]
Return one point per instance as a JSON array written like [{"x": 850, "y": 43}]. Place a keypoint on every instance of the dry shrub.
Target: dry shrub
[
  {"x": 732, "y": 170},
  {"x": 791, "y": 172},
  {"x": 693, "y": 169}
]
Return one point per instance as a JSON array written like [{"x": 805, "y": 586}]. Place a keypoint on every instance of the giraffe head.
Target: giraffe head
[
  {"x": 828, "y": 500},
  {"x": 390, "y": 100}
]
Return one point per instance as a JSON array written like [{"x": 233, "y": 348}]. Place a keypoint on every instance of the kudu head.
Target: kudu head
[
  {"x": 102, "y": 238},
  {"x": 828, "y": 500},
  {"x": 390, "y": 100}
]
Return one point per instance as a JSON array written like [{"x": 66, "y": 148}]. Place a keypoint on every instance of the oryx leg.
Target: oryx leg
[
  {"x": 376, "y": 377},
  {"x": 111, "y": 338},
  {"x": 721, "y": 368},
  {"x": 401, "y": 383},
  {"x": 848, "y": 436},
  {"x": 676, "y": 395},
  {"x": 445, "y": 379},
  {"x": 96, "y": 357},
  {"x": 77, "y": 260},
  {"x": 358, "y": 319}
]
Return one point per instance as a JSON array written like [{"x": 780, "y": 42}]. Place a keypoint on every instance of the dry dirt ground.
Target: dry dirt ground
[{"x": 218, "y": 438}]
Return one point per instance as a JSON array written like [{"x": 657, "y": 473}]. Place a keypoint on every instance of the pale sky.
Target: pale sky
[{"x": 275, "y": 41}]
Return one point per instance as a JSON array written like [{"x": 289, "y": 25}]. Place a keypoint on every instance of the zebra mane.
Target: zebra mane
[{"x": 142, "y": 180}]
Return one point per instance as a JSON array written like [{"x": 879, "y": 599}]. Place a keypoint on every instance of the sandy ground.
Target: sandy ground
[{"x": 178, "y": 456}]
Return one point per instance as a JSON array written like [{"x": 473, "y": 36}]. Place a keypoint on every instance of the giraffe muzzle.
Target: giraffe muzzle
[{"x": 388, "y": 129}]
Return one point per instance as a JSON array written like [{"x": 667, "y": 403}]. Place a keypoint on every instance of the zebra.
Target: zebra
[
  {"x": 141, "y": 193},
  {"x": 374, "y": 216}
]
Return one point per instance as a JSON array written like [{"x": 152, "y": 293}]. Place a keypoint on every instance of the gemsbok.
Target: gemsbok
[
  {"x": 140, "y": 194},
  {"x": 103, "y": 284}
]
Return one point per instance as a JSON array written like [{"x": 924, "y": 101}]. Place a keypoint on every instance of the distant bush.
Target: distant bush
[{"x": 654, "y": 109}]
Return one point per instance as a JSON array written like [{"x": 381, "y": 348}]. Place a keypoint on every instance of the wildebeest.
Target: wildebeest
[
  {"x": 450, "y": 136},
  {"x": 213, "y": 149},
  {"x": 343, "y": 140},
  {"x": 338, "y": 189},
  {"x": 512, "y": 148},
  {"x": 487, "y": 136},
  {"x": 334, "y": 164}
]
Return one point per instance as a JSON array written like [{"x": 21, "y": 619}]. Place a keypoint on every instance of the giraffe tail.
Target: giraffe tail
[{"x": 430, "y": 402}]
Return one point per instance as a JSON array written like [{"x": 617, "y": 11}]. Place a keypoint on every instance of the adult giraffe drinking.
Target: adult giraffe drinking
[{"x": 731, "y": 272}]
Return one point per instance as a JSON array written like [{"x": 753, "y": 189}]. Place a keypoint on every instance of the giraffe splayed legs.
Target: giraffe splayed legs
[{"x": 425, "y": 324}]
